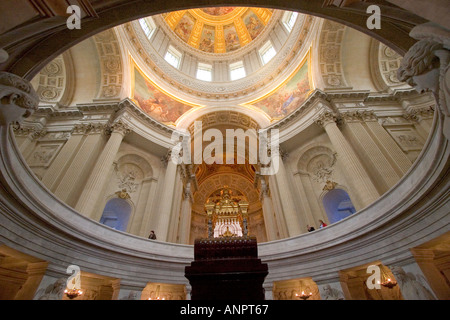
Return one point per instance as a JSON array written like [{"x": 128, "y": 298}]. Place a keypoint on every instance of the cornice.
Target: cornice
[{"x": 173, "y": 80}]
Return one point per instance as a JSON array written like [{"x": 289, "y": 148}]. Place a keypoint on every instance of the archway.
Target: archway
[
  {"x": 116, "y": 214},
  {"x": 338, "y": 205},
  {"x": 51, "y": 36}
]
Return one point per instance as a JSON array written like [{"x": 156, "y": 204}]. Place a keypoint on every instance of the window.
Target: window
[
  {"x": 173, "y": 57},
  {"x": 337, "y": 205},
  {"x": 237, "y": 70},
  {"x": 204, "y": 72},
  {"x": 148, "y": 26},
  {"x": 267, "y": 52},
  {"x": 289, "y": 19}
]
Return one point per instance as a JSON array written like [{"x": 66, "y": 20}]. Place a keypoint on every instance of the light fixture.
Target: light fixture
[
  {"x": 158, "y": 287},
  {"x": 73, "y": 293},
  {"x": 304, "y": 296},
  {"x": 386, "y": 281}
]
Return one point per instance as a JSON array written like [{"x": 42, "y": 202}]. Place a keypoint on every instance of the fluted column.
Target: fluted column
[
  {"x": 162, "y": 220},
  {"x": 185, "y": 216},
  {"x": 289, "y": 211},
  {"x": 75, "y": 168},
  {"x": 149, "y": 211},
  {"x": 363, "y": 189},
  {"x": 88, "y": 200},
  {"x": 268, "y": 213},
  {"x": 382, "y": 172}
]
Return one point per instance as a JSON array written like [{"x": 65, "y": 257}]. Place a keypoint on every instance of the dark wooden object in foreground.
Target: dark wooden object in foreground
[{"x": 226, "y": 268}]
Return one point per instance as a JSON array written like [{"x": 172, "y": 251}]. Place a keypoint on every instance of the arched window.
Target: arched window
[
  {"x": 337, "y": 205},
  {"x": 116, "y": 214}
]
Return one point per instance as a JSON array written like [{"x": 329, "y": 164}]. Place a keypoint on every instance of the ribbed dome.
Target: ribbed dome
[{"x": 218, "y": 29}]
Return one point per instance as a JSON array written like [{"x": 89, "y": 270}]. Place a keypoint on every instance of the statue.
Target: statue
[
  {"x": 330, "y": 293},
  {"x": 426, "y": 67},
  {"x": 411, "y": 288},
  {"x": 53, "y": 291},
  {"x": 132, "y": 295}
]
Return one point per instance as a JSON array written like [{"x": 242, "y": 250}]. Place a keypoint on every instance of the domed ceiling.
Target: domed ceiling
[{"x": 218, "y": 29}]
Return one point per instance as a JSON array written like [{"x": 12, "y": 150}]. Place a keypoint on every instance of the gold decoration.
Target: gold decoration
[
  {"x": 123, "y": 194},
  {"x": 329, "y": 185}
]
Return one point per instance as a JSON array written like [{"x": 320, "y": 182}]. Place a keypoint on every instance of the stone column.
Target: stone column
[
  {"x": 278, "y": 209},
  {"x": 390, "y": 148},
  {"x": 308, "y": 200},
  {"x": 437, "y": 281},
  {"x": 363, "y": 190},
  {"x": 268, "y": 212},
  {"x": 162, "y": 219},
  {"x": 90, "y": 196},
  {"x": 268, "y": 290},
  {"x": 290, "y": 214},
  {"x": 381, "y": 170},
  {"x": 185, "y": 216},
  {"x": 130, "y": 291}
]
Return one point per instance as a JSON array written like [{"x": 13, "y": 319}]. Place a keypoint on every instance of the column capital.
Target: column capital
[
  {"x": 120, "y": 127},
  {"x": 18, "y": 98},
  {"x": 358, "y": 116},
  {"x": 326, "y": 118}
]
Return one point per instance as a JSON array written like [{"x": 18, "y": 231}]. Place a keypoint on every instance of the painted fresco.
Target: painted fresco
[
  {"x": 253, "y": 24},
  {"x": 231, "y": 38},
  {"x": 207, "y": 39},
  {"x": 155, "y": 103},
  {"x": 218, "y": 11},
  {"x": 289, "y": 96},
  {"x": 184, "y": 27}
]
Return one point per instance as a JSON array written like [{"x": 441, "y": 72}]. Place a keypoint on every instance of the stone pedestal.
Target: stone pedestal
[{"x": 226, "y": 269}]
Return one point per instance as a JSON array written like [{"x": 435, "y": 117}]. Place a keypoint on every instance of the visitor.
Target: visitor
[
  {"x": 152, "y": 235},
  {"x": 322, "y": 224},
  {"x": 310, "y": 228}
]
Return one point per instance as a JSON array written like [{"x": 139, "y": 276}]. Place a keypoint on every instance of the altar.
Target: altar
[{"x": 226, "y": 264}]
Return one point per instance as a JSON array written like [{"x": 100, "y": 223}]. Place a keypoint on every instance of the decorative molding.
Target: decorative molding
[
  {"x": 111, "y": 65},
  {"x": 226, "y": 91},
  {"x": 18, "y": 98},
  {"x": 330, "y": 47}
]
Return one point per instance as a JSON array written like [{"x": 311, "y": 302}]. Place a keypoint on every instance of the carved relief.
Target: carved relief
[
  {"x": 389, "y": 62},
  {"x": 44, "y": 154},
  {"x": 330, "y": 54},
  {"x": 110, "y": 63}
]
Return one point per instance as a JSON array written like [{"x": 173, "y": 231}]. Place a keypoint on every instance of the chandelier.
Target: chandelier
[
  {"x": 73, "y": 293},
  {"x": 158, "y": 297},
  {"x": 303, "y": 295},
  {"x": 386, "y": 280}
]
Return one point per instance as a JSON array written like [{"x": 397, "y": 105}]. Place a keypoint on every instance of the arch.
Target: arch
[
  {"x": 27, "y": 62},
  {"x": 116, "y": 214},
  {"x": 337, "y": 204}
]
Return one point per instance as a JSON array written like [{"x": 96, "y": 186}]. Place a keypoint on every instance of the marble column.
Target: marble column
[
  {"x": 363, "y": 190},
  {"x": 62, "y": 160},
  {"x": 310, "y": 206},
  {"x": 70, "y": 184},
  {"x": 88, "y": 201},
  {"x": 278, "y": 209},
  {"x": 292, "y": 218},
  {"x": 185, "y": 216},
  {"x": 268, "y": 213},
  {"x": 163, "y": 217},
  {"x": 425, "y": 258},
  {"x": 144, "y": 210},
  {"x": 380, "y": 169}
]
